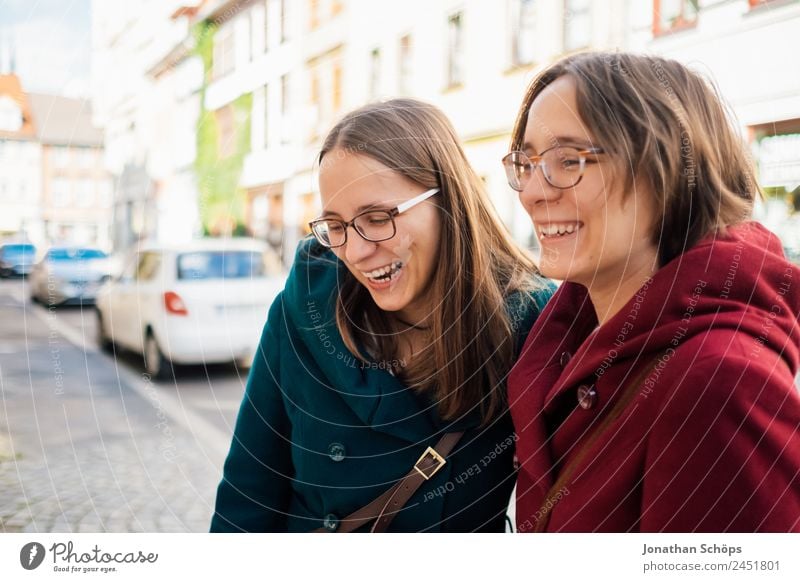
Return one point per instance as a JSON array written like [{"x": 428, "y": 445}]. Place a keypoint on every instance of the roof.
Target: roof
[
  {"x": 64, "y": 121},
  {"x": 11, "y": 87}
]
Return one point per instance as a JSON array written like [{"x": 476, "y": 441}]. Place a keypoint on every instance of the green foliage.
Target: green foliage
[{"x": 222, "y": 200}]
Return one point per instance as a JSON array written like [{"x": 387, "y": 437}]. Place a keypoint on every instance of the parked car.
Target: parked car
[
  {"x": 203, "y": 302},
  {"x": 69, "y": 274},
  {"x": 16, "y": 259}
]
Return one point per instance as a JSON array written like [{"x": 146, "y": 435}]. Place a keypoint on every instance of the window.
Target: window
[
  {"x": 316, "y": 105},
  {"x": 285, "y": 109},
  {"x": 313, "y": 14},
  {"x": 577, "y": 24},
  {"x": 250, "y": 37},
  {"x": 266, "y": 24},
  {"x": 60, "y": 156},
  {"x": 10, "y": 114},
  {"x": 106, "y": 193},
  {"x": 455, "y": 50},
  {"x": 227, "y": 139},
  {"x": 61, "y": 194},
  {"x": 74, "y": 254},
  {"x": 85, "y": 157},
  {"x": 404, "y": 65},
  {"x": 85, "y": 193},
  {"x": 224, "y": 51},
  {"x": 374, "y": 72},
  {"x": 148, "y": 266},
  {"x": 523, "y": 31},
  {"x": 337, "y": 86},
  {"x": 265, "y": 116},
  {"x": 282, "y": 20},
  {"x": 222, "y": 265},
  {"x": 673, "y": 15}
]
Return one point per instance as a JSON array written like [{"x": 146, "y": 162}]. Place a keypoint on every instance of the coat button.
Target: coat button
[
  {"x": 336, "y": 452},
  {"x": 331, "y": 522},
  {"x": 565, "y": 358},
  {"x": 587, "y": 396}
]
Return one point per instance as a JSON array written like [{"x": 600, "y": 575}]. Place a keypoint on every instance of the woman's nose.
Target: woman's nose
[
  {"x": 356, "y": 249},
  {"x": 538, "y": 191}
]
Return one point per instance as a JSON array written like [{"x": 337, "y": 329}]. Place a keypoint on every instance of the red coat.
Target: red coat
[{"x": 704, "y": 357}]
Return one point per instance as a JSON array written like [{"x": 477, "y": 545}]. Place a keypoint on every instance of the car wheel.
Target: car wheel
[
  {"x": 155, "y": 363},
  {"x": 103, "y": 340}
]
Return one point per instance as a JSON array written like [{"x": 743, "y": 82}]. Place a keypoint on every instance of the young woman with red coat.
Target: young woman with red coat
[{"x": 656, "y": 392}]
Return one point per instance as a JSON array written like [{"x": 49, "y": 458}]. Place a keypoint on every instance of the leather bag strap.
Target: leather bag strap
[{"x": 384, "y": 508}]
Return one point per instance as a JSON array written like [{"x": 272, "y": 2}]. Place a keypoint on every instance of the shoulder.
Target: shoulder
[
  {"x": 313, "y": 278},
  {"x": 524, "y": 306},
  {"x": 719, "y": 376}
]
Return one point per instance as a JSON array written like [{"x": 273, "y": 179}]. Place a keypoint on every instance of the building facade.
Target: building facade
[
  {"x": 277, "y": 74},
  {"x": 747, "y": 48},
  {"x": 75, "y": 189},
  {"x": 20, "y": 165}
]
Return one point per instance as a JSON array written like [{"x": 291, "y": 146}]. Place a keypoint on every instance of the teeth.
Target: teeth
[
  {"x": 557, "y": 229},
  {"x": 381, "y": 272}
]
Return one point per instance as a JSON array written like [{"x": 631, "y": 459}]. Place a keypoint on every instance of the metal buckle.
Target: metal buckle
[{"x": 436, "y": 456}]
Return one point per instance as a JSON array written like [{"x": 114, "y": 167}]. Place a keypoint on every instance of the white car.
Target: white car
[{"x": 203, "y": 302}]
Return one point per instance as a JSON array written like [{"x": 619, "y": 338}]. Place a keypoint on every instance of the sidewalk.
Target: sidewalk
[{"x": 82, "y": 452}]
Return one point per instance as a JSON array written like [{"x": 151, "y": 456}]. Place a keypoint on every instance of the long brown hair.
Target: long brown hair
[
  {"x": 470, "y": 337},
  {"x": 667, "y": 125}
]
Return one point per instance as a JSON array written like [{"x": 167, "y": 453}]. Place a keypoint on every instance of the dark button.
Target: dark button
[
  {"x": 336, "y": 452},
  {"x": 587, "y": 396},
  {"x": 565, "y": 358},
  {"x": 331, "y": 522}
]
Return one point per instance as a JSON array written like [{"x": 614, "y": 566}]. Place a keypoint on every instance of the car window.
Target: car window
[
  {"x": 148, "y": 266},
  {"x": 201, "y": 265},
  {"x": 74, "y": 254},
  {"x": 21, "y": 249}
]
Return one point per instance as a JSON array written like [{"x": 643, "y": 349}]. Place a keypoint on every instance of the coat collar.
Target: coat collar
[{"x": 376, "y": 397}]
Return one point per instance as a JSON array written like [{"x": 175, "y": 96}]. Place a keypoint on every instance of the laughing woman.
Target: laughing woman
[
  {"x": 377, "y": 401},
  {"x": 668, "y": 402}
]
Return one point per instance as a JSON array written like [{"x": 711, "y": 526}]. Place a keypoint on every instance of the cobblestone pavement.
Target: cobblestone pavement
[{"x": 80, "y": 450}]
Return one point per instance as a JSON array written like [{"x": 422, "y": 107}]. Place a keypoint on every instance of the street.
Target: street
[{"x": 88, "y": 443}]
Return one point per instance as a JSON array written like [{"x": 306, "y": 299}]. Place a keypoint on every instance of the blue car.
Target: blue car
[{"x": 16, "y": 259}]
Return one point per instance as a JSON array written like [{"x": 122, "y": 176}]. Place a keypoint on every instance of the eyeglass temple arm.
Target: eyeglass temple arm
[{"x": 416, "y": 200}]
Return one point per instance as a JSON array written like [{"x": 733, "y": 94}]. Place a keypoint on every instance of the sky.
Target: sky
[{"x": 52, "y": 42}]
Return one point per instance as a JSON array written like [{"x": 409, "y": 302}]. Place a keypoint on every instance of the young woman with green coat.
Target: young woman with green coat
[{"x": 398, "y": 325}]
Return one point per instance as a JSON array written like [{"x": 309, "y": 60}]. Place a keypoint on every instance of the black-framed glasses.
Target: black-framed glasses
[
  {"x": 562, "y": 166},
  {"x": 371, "y": 225}
]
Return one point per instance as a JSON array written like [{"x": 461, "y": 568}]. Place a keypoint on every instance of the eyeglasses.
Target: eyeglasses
[
  {"x": 372, "y": 225},
  {"x": 562, "y": 166}
]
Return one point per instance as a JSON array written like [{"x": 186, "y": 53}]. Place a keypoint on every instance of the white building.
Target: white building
[
  {"x": 302, "y": 64},
  {"x": 322, "y": 58},
  {"x": 135, "y": 98},
  {"x": 75, "y": 192},
  {"x": 749, "y": 48}
]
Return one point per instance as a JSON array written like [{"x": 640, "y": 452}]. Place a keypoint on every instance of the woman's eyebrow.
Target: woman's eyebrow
[
  {"x": 559, "y": 140},
  {"x": 373, "y": 206}
]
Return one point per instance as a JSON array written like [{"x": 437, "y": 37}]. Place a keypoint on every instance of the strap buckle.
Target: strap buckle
[{"x": 440, "y": 462}]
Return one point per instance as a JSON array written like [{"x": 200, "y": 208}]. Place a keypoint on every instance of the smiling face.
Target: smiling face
[
  {"x": 397, "y": 272},
  {"x": 592, "y": 233}
]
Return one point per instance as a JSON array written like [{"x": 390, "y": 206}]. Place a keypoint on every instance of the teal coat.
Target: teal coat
[{"x": 319, "y": 435}]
